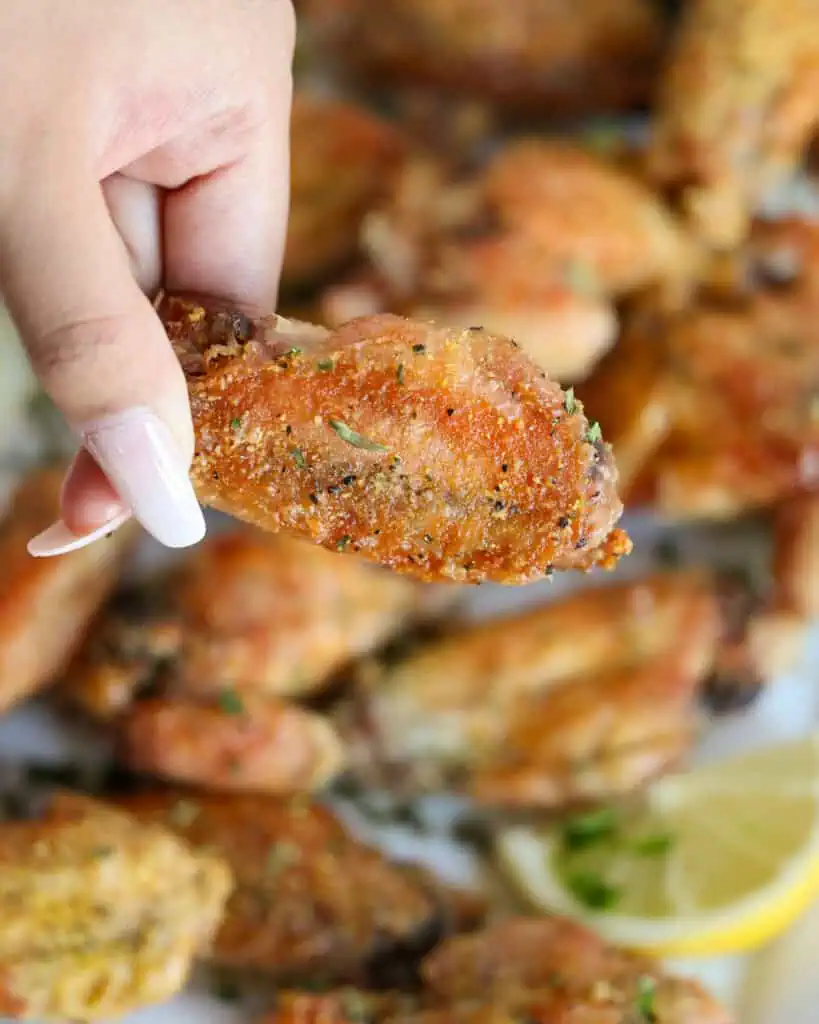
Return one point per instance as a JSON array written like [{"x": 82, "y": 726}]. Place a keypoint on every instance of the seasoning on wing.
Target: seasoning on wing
[
  {"x": 538, "y": 246},
  {"x": 540, "y": 55},
  {"x": 440, "y": 453},
  {"x": 342, "y": 161},
  {"x": 546, "y": 970},
  {"x": 311, "y": 902},
  {"x": 582, "y": 699},
  {"x": 738, "y": 105},
  {"x": 47, "y": 603},
  {"x": 100, "y": 914}
]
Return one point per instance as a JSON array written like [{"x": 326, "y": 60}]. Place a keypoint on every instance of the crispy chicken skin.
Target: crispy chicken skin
[
  {"x": 342, "y": 160},
  {"x": 100, "y": 914},
  {"x": 254, "y": 744},
  {"x": 540, "y": 55},
  {"x": 47, "y": 603},
  {"x": 547, "y": 970},
  {"x": 246, "y": 610},
  {"x": 581, "y": 699},
  {"x": 535, "y": 246},
  {"x": 311, "y": 902},
  {"x": 737, "y": 106},
  {"x": 444, "y": 454}
]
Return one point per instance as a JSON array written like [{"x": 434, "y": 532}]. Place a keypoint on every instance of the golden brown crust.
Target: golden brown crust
[
  {"x": 342, "y": 160},
  {"x": 254, "y": 744},
  {"x": 100, "y": 914},
  {"x": 525, "y": 54},
  {"x": 47, "y": 603},
  {"x": 463, "y": 458},
  {"x": 737, "y": 107},
  {"x": 582, "y": 699},
  {"x": 312, "y": 902}
]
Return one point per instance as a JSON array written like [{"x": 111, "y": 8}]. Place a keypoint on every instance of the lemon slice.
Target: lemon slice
[{"x": 717, "y": 860}]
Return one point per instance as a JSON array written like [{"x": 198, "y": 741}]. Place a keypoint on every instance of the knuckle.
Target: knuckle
[{"x": 79, "y": 341}]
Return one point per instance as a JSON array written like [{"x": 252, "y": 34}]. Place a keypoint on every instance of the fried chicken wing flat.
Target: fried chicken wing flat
[
  {"x": 311, "y": 901},
  {"x": 737, "y": 107},
  {"x": 100, "y": 914},
  {"x": 342, "y": 160},
  {"x": 582, "y": 699},
  {"x": 540, "y": 55},
  {"x": 444, "y": 454},
  {"x": 549, "y": 970},
  {"x": 246, "y": 611},
  {"x": 546, "y": 270},
  {"x": 46, "y": 603}
]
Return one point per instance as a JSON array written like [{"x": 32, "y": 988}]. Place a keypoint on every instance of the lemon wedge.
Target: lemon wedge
[{"x": 716, "y": 860}]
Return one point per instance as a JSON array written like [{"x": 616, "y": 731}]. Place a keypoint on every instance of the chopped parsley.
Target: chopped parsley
[
  {"x": 325, "y": 365},
  {"x": 644, "y": 1001},
  {"x": 655, "y": 845},
  {"x": 593, "y": 891},
  {"x": 354, "y": 438},
  {"x": 236, "y": 423},
  {"x": 231, "y": 703},
  {"x": 594, "y": 433},
  {"x": 298, "y": 457},
  {"x": 570, "y": 402},
  {"x": 294, "y": 351},
  {"x": 342, "y": 544},
  {"x": 587, "y": 829},
  {"x": 101, "y": 852}
]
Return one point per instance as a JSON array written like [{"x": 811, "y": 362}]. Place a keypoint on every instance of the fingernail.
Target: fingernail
[
  {"x": 140, "y": 457},
  {"x": 59, "y": 540}
]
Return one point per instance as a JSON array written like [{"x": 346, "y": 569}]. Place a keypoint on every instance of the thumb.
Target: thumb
[{"x": 101, "y": 353}]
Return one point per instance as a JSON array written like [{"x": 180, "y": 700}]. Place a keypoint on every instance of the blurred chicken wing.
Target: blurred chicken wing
[
  {"x": 311, "y": 902},
  {"x": 581, "y": 699},
  {"x": 535, "y": 246},
  {"x": 537, "y": 55},
  {"x": 738, "y": 103},
  {"x": 100, "y": 914},
  {"x": 444, "y": 454},
  {"x": 47, "y": 603},
  {"x": 342, "y": 161}
]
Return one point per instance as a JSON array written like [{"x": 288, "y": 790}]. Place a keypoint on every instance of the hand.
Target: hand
[{"x": 142, "y": 143}]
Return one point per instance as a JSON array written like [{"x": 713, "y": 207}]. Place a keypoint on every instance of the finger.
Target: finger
[
  {"x": 135, "y": 207},
  {"x": 100, "y": 351}
]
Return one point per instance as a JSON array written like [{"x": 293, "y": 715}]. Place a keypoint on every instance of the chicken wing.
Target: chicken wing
[
  {"x": 578, "y": 700},
  {"x": 100, "y": 914},
  {"x": 443, "y": 454},
  {"x": 540, "y": 55},
  {"x": 536, "y": 246},
  {"x": 47, "y": 603},
  {"x": 738, "y": 105},
  {"x": 311, "y": 902},
  {"x": 342, "y": 161},
  {"x": 547, "y": 970}
]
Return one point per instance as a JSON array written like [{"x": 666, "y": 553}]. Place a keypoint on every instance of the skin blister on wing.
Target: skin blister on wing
[
  {"x": 582, "y": 699},
  {"x": 46, "y": 604},
  {"x": 444, "y": 454},
  {"x": 536, "y": 246},
  {"x": 342, "y": 160},
  {"x": 548, "y": 970},
  {"x": 311, "y": 901},
  {"x": 738, "y": 105},
  {"x": 100, "y": 914},
  {"x": 525, "y": 54}
]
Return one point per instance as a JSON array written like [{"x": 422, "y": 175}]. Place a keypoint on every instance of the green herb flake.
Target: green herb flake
[
  {"x": 183, "y": 813},
  {"x": 570, "y": 402},
  {"x": 236, "y": 423},
  {"x": 594, "y": 433},
  {"x": 325, "y": 365},
  {"x": 399, "y": 373},
  {"x": 656, "y": 845},
  {"x": 102, "y": 852},
  {"x": 355, "y": 1007},
  {"x": 355, "y": 439},
  {"x": 298, "y": 457},
  {"x": 593, "y": 891},
  {"x": 644, "y": 1002},
  {"x": 231, "y": 703},
  {"x": 585, "y": 830},
  {"x": 281, "y": 856},
  {"x": 294, "y": 351},
  {"x": 342, "y": 544}
]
